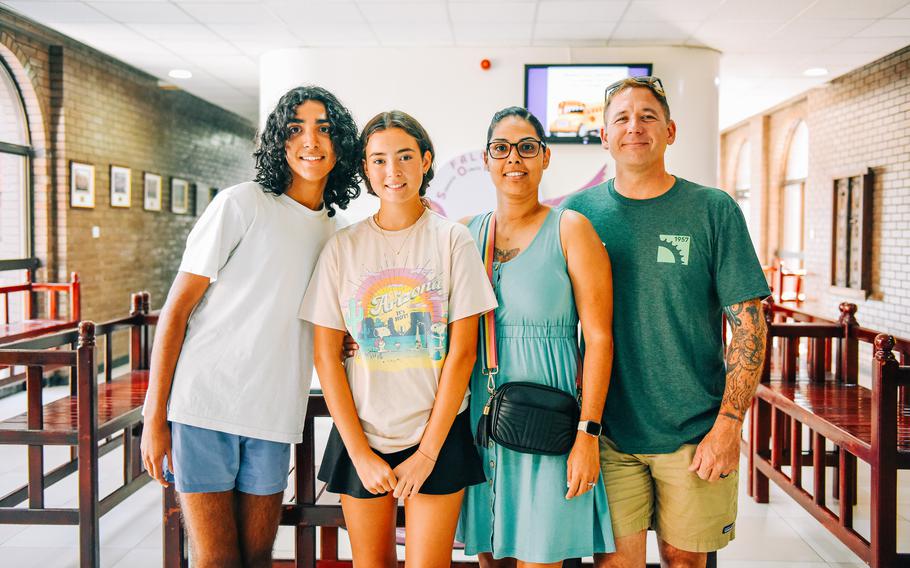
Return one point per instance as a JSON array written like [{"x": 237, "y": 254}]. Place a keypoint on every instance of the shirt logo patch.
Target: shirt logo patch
[
  {"x": 677, "y": 252},
  {"x": 728, "y": 528}
]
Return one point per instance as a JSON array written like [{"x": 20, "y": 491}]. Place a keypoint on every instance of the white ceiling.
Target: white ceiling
[{"x": 766, "y": 44}]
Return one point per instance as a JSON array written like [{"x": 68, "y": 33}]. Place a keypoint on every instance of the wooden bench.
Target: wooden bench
[
  {"x": 29, "y": 325},
  {"x": 872, "y": 425},
  {"x": 311, "y": 509},
  {"x": 94, "y": 419}
]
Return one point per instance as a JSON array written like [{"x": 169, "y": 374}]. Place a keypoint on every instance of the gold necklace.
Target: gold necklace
[{"x": 386, "y": 238}]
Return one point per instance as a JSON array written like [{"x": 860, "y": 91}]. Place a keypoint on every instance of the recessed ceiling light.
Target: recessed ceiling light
[
  {"x": 180, "y": 74},
  {"x": 815, "y": 72}
]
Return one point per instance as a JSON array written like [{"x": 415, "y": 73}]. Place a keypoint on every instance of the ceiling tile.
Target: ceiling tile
[
  {"x": 405, "y": 14},
  {"x": 351, "y": 35},
  {"x": 210, "y": 1},
  {"x": 314, "y": 13},
  {"x": 579, "y": 42},
  {"x": 804, "y": 27},
  {"x": 725, "y": 35},
  {"x": 580, "y": 12},
  {"x": 256, "y": 47},
  {"x": 854, "y": 8},
  {"x": 663, "y": 31},
  {"x": 887, "y": 28},
  {"x": 238, "y": 32},
  {"x": 160, "y": 32},
  {"x": 493, "y": 13},
  {"x": 424, "y": 35},
  {"x": 882, "y": 46},
  {"x": 50, "y": 13},
  {"x": 620, "y": 42},
  {"x": 492, "y": 34},
  {"x": 599, "y": 31},
  {"x": 677, "y": 10},
  {"x": 249, "y": 13},
  {"x": 143, "y": 12},
  {"x": 193, "y": 47},
  {"x": 765, "y": 10}
]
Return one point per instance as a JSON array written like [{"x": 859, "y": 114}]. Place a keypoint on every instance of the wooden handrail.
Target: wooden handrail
[
  {"x": 28, "y": 357},
  {"x": 804, "y": 329}
]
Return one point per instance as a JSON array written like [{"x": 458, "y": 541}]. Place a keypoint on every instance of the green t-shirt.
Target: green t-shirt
[{"x": 677, "y": 259}]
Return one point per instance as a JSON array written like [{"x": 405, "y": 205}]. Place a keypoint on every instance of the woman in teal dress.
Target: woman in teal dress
[{"x": 550, "y": 270}]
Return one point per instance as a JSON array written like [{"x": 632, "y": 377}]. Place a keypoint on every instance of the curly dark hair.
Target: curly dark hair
[
  {"x": 272, "y": 169},
  {"x": 406, "y": 122}
]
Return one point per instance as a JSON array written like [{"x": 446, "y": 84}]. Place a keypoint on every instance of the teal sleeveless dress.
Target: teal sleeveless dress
[{"x": 521, "y": 511}]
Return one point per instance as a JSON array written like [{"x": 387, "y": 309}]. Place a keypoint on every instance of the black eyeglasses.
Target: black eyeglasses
[
  {"x": 527, "y": 148},
  {"x": 652, "y": 83}
]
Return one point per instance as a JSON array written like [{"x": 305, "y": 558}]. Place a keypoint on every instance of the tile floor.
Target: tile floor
[{"x": 779, "y": 535}]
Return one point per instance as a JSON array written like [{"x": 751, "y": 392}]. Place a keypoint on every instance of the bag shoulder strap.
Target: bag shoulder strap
[{"x": 488, "y": 353}]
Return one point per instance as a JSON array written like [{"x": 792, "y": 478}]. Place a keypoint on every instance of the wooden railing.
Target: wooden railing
[
  {"x": 94, "y": 419},
  {"x": 846, "y": 422}
]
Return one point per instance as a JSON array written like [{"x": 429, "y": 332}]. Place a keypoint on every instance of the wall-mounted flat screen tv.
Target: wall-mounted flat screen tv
[{"x": 569, "y": 99}]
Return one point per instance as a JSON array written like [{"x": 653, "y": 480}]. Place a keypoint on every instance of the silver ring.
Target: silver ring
[
  {"x": 592, "y": 483},
  {"x": 724, "y": 475}
]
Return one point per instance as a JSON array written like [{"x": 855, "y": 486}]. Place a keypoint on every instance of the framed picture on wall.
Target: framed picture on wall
[
  {"x": 152, "y": 192},
  {"x": 120, "y": 186},
  {"x": 180, "y": 196},
  {"x": 82, "y": 185}
]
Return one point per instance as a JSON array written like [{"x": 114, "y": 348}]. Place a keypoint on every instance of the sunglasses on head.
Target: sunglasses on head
[{"x": 647, "y": 80}]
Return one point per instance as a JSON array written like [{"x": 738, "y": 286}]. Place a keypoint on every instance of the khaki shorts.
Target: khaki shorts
[{"x": 657, "y": 491}]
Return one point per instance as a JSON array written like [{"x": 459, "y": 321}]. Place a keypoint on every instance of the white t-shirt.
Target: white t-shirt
[
  {"x": 396, "y": 292},
  {"x": 247, "y": 360}
]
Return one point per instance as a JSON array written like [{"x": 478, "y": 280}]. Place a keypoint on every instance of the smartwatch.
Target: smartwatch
[{"x": 590, "y": 427}]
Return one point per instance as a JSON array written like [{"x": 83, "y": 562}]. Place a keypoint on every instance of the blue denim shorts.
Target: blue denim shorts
[{"x": 209, "y": 461}]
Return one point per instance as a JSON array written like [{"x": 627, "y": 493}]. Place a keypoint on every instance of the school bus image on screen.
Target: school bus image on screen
[{"x": 576, "y": 118}]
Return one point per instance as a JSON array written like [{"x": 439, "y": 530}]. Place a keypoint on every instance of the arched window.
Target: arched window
[
  {"x": 14, "y": 182},
  {"x": 743, "y": 183},
  {"x": 793, "y": 200},
  {"x": 15, "y": 202}
]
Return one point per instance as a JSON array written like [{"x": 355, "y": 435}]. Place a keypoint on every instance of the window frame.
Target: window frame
[{"x": 29, "y": 261}]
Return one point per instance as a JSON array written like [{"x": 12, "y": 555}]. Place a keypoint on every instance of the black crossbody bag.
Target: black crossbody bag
[{"x": 523, "y": 416}]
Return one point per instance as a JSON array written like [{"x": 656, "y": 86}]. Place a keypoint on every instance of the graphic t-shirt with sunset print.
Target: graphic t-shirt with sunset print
[{"x": 396, "y": 292}]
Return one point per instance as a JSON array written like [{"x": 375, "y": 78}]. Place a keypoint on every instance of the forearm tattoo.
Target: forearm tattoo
[{"x": 745, "y": 356}]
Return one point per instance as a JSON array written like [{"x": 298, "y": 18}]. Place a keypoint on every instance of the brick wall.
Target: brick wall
[
  {"x": 857, "y": 121},
  {"x": 87, "y": 107}
]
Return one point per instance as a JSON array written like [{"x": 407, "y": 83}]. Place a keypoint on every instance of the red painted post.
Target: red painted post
[
  {"x": 760, "y": 446},
  {"x": 885, "y": 371},
  {"x": 75, "y": 297},
  {"x": 819, "y": 458},
  {"x": 89, "y": 510},
  {"x": 135, "y": 332},
  {"x": 173, "y": 534},
  {"x": 305, "y": 490},
  {"x": 848, "y": 346},
  {"x": 29, "y": 307},
  {"x": 796, "y": 453},
  {"x": 35, "y": 421}
]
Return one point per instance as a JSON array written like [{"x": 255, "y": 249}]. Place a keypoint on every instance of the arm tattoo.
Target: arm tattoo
[
  {"x": 500, "y": 255},
  {"x": 745, "y": 356}
]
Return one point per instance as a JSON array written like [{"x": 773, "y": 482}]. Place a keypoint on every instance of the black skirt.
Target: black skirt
[{"x": 457, "y": 466}]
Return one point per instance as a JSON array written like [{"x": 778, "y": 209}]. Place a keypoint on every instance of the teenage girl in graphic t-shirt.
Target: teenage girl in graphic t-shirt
[{"x": 409, "y": 286}]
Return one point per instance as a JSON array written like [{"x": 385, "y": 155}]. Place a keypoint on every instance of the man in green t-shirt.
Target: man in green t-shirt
[{"x": 681, "y": 258}]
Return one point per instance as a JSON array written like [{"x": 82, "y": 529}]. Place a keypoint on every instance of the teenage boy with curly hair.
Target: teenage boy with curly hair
[{"x": 231, "y": 362}]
